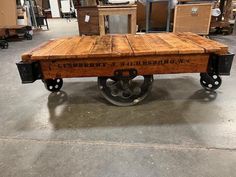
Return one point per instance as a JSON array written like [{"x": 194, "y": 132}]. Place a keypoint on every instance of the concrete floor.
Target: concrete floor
[{"x": 179, "y": 130}]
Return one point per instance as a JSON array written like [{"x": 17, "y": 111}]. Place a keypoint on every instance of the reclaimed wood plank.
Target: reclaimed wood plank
[
  {"x": 75, "y": 47},
  {"x": 102, "y": 47},
  {"x": 83, "y": 47},
  {"x": 198, "y": 41},
  {"x": 121, "y": 46},
  {"x": 208, "y": 44},
  {"x": 159, "y": 45},
  {"x": 27, "y": 55},
  {"x": 64, "y": 50},
  {"x": 139, "y": 46},
  {"x": 183, "y": 46},
  {"x": 44, "y": 52}
]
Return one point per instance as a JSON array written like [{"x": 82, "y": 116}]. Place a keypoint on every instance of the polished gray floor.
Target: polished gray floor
[{"x": 180, "y": 130}]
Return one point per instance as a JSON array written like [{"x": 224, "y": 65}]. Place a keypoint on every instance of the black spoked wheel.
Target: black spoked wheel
[
  {"x": 53, "y": 85},
  {"x": 125, "y": 92},
  {"x": 210, "y": 81},
  {"x": 28, "y": 36},
  {"x": 4, "y": 44}
]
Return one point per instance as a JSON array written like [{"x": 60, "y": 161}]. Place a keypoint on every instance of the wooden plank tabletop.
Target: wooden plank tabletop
[
  {"x": 208, "y": 44},
  {"x": 125, "y": 45}
]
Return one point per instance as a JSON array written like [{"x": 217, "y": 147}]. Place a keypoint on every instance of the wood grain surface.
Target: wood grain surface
[
  {"x": 208, "y": 44},
  {"x": 182, "y": 46},
  {"x": 110, "y": 46},
  {"x": 145, "y": 65}
]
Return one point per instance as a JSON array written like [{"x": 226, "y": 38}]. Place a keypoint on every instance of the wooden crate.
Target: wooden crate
[
  {"x": 92, "y": 26},
  {"x": 194, "y": 18}
]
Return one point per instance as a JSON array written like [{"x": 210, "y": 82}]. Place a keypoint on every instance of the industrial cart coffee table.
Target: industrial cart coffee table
[{"x": 125, "y": 64}]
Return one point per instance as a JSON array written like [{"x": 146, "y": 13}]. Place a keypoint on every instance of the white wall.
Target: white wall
[{"x": 54, "y": 8}]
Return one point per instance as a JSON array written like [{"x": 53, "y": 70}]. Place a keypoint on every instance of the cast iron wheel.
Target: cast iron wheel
[
  {"x": 53, "y": 85},
  {"x": 210, "y": 81},
  {"x": 28, "y": 36},
  {"x": 125, "y": 91}
]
